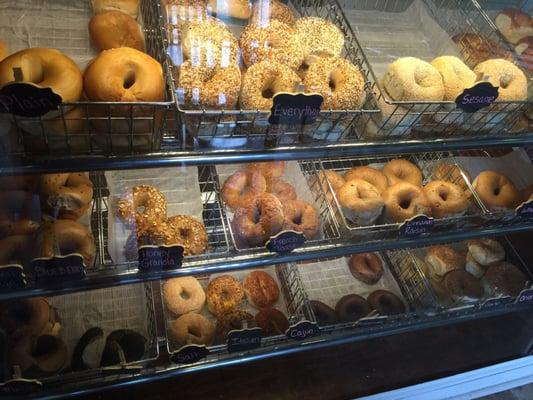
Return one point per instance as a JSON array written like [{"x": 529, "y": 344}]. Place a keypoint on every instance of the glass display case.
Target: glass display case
[{"x": 194, "y": 188}]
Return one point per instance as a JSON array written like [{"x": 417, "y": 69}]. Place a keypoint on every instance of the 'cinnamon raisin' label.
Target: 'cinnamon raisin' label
[{"x": 416, "y": 226}]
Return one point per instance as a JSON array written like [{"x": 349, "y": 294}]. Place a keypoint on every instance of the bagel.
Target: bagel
[
  {"x": 192, "y": 328},
  {"x": 47, "y": 353},
  {"x": 324, "y": 314},
  {"x": 240, "y": 9},
  {"x": 243, "y": 187},
  {"x": 507, "y": 77},
  {"x": 142, "y": 206},
  {"x": 366, "y": 267},
  {"x": 320, "y": 37},
  {"x": 209, "y": 88},
  {"x": 399, "y": 170},
  {"x": 263, "y": 80},
  {"x": 47, "y": 68},
  {"x": 504, "y": 279},
  {"x": 66, "y": 195},
  {"x": 403, "y": 201},
  {"x": 130, "y": 7},
  {"x": 450, "y": 172},
  {"x": 19, "y": 213},
  {"x": 261, "y": 289},
  {"x": 14, "y": 249},
  {"x": 270, "y": 170},
  {"x": 275, "y": 42},
  {"x": 111, "y": 29},
  {"x": 233, "y": 319},
  {"x": 264, "y": 11},
  {"x": 335, "y": 179},
  {"x": 496, "y": 191},
  {"x": 183, "y": 295},
  {"x": 386, "y": 303},
  {"x": 210, "y": 43},
  {"x": 261, "y": 219},
  {"x": 486, "y": 251},
  {"x": 456, "y": 76},
  {"x": 462, "y": 286},
  {"x": 63, "y": 237},
  {"x": 369, "y": 174},
  {"x": 442, "y": 259},
  {"x": 282, "y": 190},
  {"x": 338, "y": 81},
  {"x": 411, "y": 79},
  {"x": 446, "y": 199},
  {"x": 301, "y": 216},
  {"x": 224, "y": 293},
  {"x": 351, "y": 308},
  {"x": 272, "y": 322},
  {"x": 360, "y": 201}
]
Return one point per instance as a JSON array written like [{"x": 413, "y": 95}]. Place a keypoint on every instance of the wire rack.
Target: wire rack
[
  {"x": 425, "y": 29},
  {"x": 88, "y": 127},
  {"x": 213, "y": 218},
  {"x": 236, "y": 127},
  {"x": 383, "y": 230}
]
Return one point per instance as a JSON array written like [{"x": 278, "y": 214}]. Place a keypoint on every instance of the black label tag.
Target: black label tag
[
  {"x": 525, "y": 296},
  {"x": 496, "y": 302},
  {"x": 12, "y": 277},
  {"x": 27, "y": 100},
  {"x": 190, "y": 354},
  {"x": 156, "y": 258},
  {"x": 525, "y": 210},
  {"x": 416, "y": 226},
  {"x": 285, "y": 242},
  {"x": 477, "y": 97},
  {"x": 20, "y": 387},
  {"x": 302, "y": 330},
  {"x": 295, "y": 109},
  {"x": 68, "y": 268},
  {"x": 244, "y": 339}
]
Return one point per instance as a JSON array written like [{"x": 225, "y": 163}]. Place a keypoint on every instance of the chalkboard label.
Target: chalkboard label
[
  {"x": 157, "y": 258},
  {"x": 285, "y": 242},
  {"x": 302, "y": 330},
  {"x": 477, "y": 97},
  {"x": 12, "y": 277},
  {"x": 525, "y": 296},
  {"x": 416, "y": 226},
  {"x": 20, "y": 387},
  {"x": 27, "y": 100},
  {"x": 496, "y": 302},
  {"x": 190, "y": 354},
  {"x": 67, "y": 268},
  {"x": 525, "y": 210},
  {"x": 295, "y": 109},
  {"x": 244, "y": 339}
]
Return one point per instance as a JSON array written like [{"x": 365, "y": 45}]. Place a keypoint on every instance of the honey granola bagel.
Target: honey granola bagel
[{"x": 141, "y": 206}]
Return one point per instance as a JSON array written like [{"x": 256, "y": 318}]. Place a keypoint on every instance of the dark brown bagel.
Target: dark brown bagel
[
  {"x": 367, "y": 267},
  {"x": 324, "y": 314},
  {"x": 386, "y": 303},
  {"x": 351, "y": 308}
]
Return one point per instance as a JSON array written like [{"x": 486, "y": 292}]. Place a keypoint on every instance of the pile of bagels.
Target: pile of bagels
[{"x": 121, "y": 72}]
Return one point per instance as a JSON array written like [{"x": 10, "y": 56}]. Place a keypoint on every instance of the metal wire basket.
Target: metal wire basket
[
  {"x": 222, "y": 128},
  {"x": 427, "y": 29},
  {"x": 84, "y": 127}
]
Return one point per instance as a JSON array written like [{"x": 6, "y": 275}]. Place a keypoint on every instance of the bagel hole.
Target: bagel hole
[
  {"x": 257, "y": 216},
  {"x": 184, "y": 232},
  {"x": 184, "y": 295},
  {"x": 193, "y": 330},
  {"x": 267, "y": 93},
  {"x": 297, "y": 219},
  {"x": 129, "y": 80},
  {"x": 496, "y": 191},
  {"x": 44, "y": 345},
  {"x": 140, "y": 209},
  {"x": 405, "y": 203},
  {"x": 443, "y": 195},
  {"x": 332, "y": 84}
]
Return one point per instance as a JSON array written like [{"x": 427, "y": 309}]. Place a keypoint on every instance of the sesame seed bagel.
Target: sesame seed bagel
[
  {"x": 338, "y": 81},
  {"x": 510, "y": 80},
  {"x": 412, "y": 79},
  {"x": 263, "y": 80},
  {"x": 276, "y": 42},
  {"x": 320, "y": 37},
  {"x": 456, "y": 76},
  {"x": 265, "y": 11},
  {"x": 210, "y": 42},
  {"x": 210, "y": 87}
]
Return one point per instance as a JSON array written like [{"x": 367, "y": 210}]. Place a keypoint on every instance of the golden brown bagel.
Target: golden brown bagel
[
  {"x": 111, "y": 29},
  {"x": 130, "y": 7}
]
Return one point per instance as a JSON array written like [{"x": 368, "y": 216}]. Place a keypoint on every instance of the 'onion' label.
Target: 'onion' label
[
  {"x": 190, "y": 354},
  {"x": 416, "y": 226},
  {"x": 525, "y": 210},
  {"x": 244, "y": 339},
  {"x": 285, "y": 242},
  {"x": 157, "y": 258},
  {"x": 295, "y": 108},
  {"x": 477, "y": 97},
  {"x": 27, "y": 100},
  {"x": 12, "y": 277},
  {"x": 302, "y": 330},
  {"x": 67, "y": 268}
]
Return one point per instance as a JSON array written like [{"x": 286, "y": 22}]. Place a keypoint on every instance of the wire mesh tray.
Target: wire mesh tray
[
  {"x": 236, "y": 127},
  {"x": 292, "y": 302},
  {"x": 409, "y": 260},
  {"x": 83, "y": 127},
  {"x": 387, "y": 30},
  {"x": 123, "y": 307},
  {"x": 383, "y": 230},
  {"x": 293, "y": 175}
]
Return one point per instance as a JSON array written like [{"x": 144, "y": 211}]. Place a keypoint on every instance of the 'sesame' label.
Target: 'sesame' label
[{"x": 477, "y": 97}]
